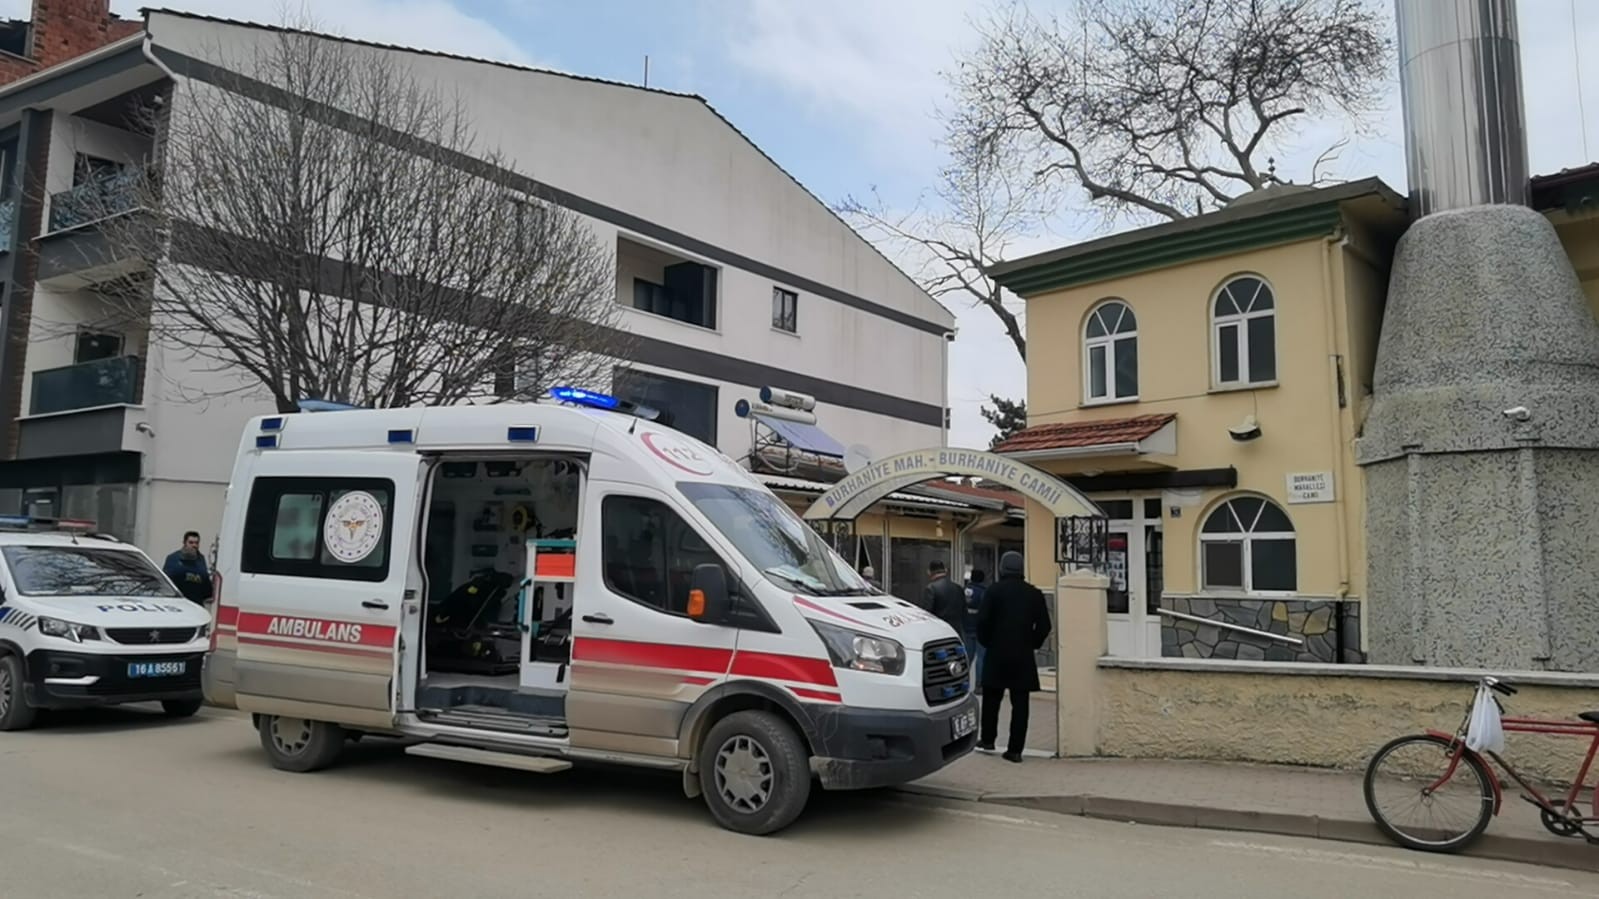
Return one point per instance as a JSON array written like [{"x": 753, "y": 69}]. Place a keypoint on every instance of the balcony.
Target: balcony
[
  {"x": 87, "y": 385},
  {"x": 95, "y": 199}
]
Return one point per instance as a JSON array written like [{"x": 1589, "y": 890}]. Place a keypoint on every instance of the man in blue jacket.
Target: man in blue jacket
[
  {"x": 186, "y": 568},
  {"x": 975, "y": 588}
]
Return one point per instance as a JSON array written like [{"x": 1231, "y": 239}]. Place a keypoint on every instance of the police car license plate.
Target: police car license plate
[
  {"x": 157, "y": 669},
  {"x": 962, "y": 724}
]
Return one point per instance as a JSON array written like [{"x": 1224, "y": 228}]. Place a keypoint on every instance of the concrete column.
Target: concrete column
[{"x": 1079, "y": 644}]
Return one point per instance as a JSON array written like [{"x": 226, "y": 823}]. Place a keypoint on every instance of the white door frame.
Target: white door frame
[{"x": 1136, "y": 632}]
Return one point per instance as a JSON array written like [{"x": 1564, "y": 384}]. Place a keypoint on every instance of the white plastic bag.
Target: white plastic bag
[{"x": 1485, "y": 732}]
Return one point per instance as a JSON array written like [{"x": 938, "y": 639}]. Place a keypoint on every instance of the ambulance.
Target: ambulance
[
  {"x": 571, "y": 581},
  {"x": 86, "y": 620}
]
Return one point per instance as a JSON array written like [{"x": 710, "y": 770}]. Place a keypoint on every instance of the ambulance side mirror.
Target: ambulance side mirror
[{"x": 708, "y": 599}]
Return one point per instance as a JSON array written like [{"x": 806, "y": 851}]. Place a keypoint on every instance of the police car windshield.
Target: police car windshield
[
  {"x": 84, "y": 571},
  {"x": 775, "y": 540}
]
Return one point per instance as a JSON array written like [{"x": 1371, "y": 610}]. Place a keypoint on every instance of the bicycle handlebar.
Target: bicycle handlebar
[{"x": 1499, "y": 686}]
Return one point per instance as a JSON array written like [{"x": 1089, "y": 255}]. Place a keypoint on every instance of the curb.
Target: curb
[{"x": 1569, "y": 854}]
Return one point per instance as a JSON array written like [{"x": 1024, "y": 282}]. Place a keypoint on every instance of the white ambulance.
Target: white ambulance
[
  {"x": 534, "y": 585},
  {"x": 88, "y": 621}
]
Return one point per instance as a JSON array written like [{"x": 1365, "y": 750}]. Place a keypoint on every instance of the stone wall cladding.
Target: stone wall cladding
[{"x": 1316, "y": 621}]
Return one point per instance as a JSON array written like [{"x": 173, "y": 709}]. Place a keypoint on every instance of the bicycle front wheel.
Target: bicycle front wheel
[{"x": 1426, "y": 793}]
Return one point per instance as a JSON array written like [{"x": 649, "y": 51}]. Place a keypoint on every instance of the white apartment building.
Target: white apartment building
[{"x": 733, "y": 277}]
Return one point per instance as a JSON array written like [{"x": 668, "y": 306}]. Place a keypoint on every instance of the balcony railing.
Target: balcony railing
[
  {"x": 98, "y": 198},
  {"x": 8, "y": 223},
  {"x": 103, "y": 382}
]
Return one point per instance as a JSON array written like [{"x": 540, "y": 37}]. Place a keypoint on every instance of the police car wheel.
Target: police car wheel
[
  {"x": 755, "y": 773},
  {"x": 181, "y": 708},
  {"x": 15, "y": 713},
  {"x": 295, "y": 744}
]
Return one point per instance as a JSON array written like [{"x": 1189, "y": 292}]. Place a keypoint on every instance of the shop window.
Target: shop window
[
  {"x": 1244, "y": 326},
  {"x": 1247, "y": 545},
  {"x": 1110, "y": 354}
]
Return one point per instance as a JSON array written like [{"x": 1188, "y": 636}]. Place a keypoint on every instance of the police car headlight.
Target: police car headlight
[
  {"x": 862, "y": 652},
  {"x": 202, "y": 631},
  {"x": 66, "y": 630}
]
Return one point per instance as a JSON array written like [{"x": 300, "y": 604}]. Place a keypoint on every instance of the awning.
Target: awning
[
  {"x": 1137, "y": 436},
  {"x": 804, "y": 437}
]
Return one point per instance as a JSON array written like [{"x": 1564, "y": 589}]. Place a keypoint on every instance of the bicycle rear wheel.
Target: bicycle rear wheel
[{"x": 1416, "y": 807}]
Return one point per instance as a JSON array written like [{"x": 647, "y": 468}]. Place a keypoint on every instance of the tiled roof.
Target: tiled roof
[
  {"x": 1103, "y": 432},
  {"x": 993, "y": 494}
]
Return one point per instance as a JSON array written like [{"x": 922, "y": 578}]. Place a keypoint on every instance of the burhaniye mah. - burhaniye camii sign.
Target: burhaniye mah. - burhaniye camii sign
[{"x": 856, "y": 493}]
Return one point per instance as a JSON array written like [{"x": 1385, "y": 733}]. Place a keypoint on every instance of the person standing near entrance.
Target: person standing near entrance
[
  {"x": 975, "y": 588},
  {"x": 943, "y": 597},
  {"x": 186, "y": 568},
  {"x": 1012, "y": 625}
]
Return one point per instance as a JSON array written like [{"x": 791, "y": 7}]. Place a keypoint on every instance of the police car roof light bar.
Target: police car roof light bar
[{"x": 37, "y": 523}]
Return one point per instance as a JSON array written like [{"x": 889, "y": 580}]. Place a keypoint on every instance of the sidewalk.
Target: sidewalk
[{"x": 1304, "y": 802}]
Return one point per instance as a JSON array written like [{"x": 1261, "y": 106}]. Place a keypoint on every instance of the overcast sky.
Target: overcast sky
[{"x": 843, "y": 93}]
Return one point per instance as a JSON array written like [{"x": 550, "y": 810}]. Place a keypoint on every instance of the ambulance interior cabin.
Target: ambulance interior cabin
[{"x": 497, "y": 632}]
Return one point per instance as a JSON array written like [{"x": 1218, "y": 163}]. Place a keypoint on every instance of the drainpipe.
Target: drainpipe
[
  {"x": 949, "y": 338},
  {"x": 150, "y": 55},
  {"x": 1331, "y": 246}
]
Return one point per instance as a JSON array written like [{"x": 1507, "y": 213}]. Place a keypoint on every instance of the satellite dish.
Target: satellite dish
[{"x": 857, "y": 457}]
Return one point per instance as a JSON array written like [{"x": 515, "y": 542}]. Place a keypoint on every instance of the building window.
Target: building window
[
  {"x": 1110, "y": 353},
  {"x": 689, "y": 406},
  {"x": 688, "y": 294},
  {"x": 1247, "y": 545},
  {"x": 785, "y": 310},
  {"x": 285, "y": 526},
  {"x": 92, "y": 346},
  {"x": 649, "y": 553},
  {"x": 1246, "y": 333}
]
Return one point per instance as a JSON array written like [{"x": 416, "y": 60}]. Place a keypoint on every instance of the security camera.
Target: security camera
[
  {"x": 1249, "y": 429},
  {"x": 1518, "y": 413}
]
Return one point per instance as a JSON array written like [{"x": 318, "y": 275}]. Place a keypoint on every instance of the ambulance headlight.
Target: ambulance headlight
[
  {"x": 862, "y": 652},
  {"x": 66, "y": 630}
]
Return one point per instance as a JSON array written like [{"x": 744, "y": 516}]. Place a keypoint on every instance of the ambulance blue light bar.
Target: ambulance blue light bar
[
  {"x": 399, "y": 435},
  {"x": 577, "y": 396},
  {"x": 522, "y": 434}
]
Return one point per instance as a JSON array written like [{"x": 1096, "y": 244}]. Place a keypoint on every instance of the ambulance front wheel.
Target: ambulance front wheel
[
  {"x": 15, "y": 713},
  {"x": 754, "y": 773},
  {"x": 295, "y": 744}
]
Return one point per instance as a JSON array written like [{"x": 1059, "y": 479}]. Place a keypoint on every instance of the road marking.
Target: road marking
[{"x": 1378, "y": 863}]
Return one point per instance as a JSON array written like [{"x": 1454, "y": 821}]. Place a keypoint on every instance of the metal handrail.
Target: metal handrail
[{"x": 1281, "y": 638}]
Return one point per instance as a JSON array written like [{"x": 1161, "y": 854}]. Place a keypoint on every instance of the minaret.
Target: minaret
[{"x": 1481, "y": 450}]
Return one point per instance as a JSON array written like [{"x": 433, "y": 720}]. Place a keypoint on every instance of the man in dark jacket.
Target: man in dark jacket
[
  {"x": 1012, "y": 625},
  {"x": 186, "y": 568},
  {"x": 975, "y": 588},
  {"x": 943, "y": 597}
]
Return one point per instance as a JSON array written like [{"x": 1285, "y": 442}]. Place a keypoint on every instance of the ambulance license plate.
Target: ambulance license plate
[
  {"x": 157, "y": 669},
  {"x": 962, "y": 724}
]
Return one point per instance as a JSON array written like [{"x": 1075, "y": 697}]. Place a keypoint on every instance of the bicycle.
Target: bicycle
[{"x": 1480, "y": 800}]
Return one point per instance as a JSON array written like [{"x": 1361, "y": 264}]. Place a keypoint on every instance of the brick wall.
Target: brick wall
[{"x": 63, "y": 30}]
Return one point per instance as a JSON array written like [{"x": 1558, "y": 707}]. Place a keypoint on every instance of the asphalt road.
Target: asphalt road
[{"x": 125, "y": 804}]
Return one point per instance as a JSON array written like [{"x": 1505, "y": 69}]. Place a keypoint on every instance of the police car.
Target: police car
[{"x": 86, "y": 620}]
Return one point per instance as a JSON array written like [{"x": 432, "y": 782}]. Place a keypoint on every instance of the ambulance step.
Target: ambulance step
[
  {"x": 535, "y": 763},
  {"x": 488, "y": 718}
]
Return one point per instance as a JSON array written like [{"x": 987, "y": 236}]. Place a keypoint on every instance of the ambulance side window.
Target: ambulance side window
[
  {"x": 649, "y": 553},
  {"x": 289, "y": 528}
]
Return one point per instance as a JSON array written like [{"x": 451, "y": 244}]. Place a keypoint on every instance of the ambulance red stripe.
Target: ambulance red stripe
[
  {"x": 334, "y": 632},
  {"x": 227, "y": 616},
  {"x": 334, "y": 648},
  {"x": 767, "y": 665}
]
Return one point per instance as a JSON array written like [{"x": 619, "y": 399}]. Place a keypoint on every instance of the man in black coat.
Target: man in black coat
[
  {"x": 943, "y": 597},
  {"x": 1012, "y": 624}
]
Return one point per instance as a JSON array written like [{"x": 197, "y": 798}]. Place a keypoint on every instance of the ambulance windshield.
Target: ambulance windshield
[
  {"x": 775, "y": 540},
  {"x": 84, "y": 571}
]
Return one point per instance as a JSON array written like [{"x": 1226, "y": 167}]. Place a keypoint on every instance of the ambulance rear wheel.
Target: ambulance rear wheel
[
  {"x": 754, "y": 772},
  {"x": 295, "y": 744},
  {"x": 15, "y": 713}
]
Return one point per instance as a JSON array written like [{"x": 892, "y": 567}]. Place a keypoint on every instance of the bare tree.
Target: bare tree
[
  {"x": 1164, "y": 107},
  {"x": 969, "y": 222},
  {"x": 326, "y": 223}
]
